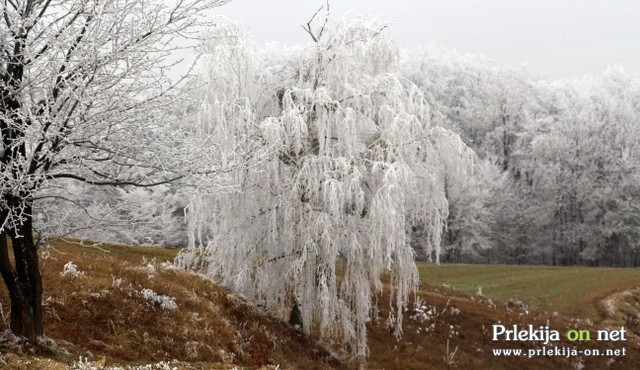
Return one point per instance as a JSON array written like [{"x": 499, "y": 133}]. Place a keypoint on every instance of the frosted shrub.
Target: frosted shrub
[
  {"x": 116, "y": 282},
  {"x": 165, "y": 302},
  {"x": 70, "y": 269},
  {"x": 148, "y": 267},
  {"x": 421, "y": 314}
]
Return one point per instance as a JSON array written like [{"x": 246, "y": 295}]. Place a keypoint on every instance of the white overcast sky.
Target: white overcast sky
[{"x": 553, "y": 38}]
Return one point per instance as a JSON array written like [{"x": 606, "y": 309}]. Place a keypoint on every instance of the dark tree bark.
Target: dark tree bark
[
  {"x": 22, "y": 276},
  {"x": 295, "y": 319},
  {"x": 23, "y": 279}
]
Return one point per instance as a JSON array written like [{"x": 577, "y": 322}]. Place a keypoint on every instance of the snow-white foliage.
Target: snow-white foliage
[
  {"x": 566, "y": 148},
  {"x": 165, "y": 302},
  {"x": 70, "y": 269},
  {"x": 352, "y": 164},
  {"x": 84, "y": 90},
  {"x": 583, "y": 164},
  {"x": 473, "y": 209},
  {"x": 143, "y": 216}
]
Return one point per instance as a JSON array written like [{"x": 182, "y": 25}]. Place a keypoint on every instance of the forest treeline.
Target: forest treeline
[{"x": 554, "y": 181}]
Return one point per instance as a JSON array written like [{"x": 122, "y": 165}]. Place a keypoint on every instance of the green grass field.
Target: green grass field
[{"x": 571, "y": 291}]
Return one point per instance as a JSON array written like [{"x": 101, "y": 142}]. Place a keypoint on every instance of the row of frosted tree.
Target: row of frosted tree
[
  {"x": 553, "y": 178},
  {"x": 557, "y": 178}
]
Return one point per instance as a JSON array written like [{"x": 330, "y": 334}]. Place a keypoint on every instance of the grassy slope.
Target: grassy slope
[
  {"x": 96, "y": 314},
  {"x": 570, "y": 291},
  {"x": 88, "y": 315}
]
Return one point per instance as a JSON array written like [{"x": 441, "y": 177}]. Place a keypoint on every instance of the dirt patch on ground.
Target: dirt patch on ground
[{"x": 621, "y": 309}]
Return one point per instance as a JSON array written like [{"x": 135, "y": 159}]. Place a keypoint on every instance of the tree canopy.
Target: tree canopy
[{"x": 351, "y": 164}]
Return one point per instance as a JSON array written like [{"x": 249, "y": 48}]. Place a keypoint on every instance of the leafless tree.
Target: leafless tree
[{"x": 84, "y": 92}]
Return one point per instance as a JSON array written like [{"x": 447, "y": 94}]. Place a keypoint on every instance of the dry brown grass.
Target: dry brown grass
[
  {"x": 212, "y": 328},
  {"x": 96, "y": 314},
  {"x": 465, "y": 321}
]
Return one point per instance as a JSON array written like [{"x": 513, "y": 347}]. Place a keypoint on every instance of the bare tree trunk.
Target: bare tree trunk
[{"x": 23, "y": 280}]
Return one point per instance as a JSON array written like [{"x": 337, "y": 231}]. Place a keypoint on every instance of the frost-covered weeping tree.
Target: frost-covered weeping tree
[{"x": 353, "y": 164}]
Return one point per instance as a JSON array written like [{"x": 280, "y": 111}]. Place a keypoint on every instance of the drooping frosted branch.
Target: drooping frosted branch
[{"x": 350, "y": 163}]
